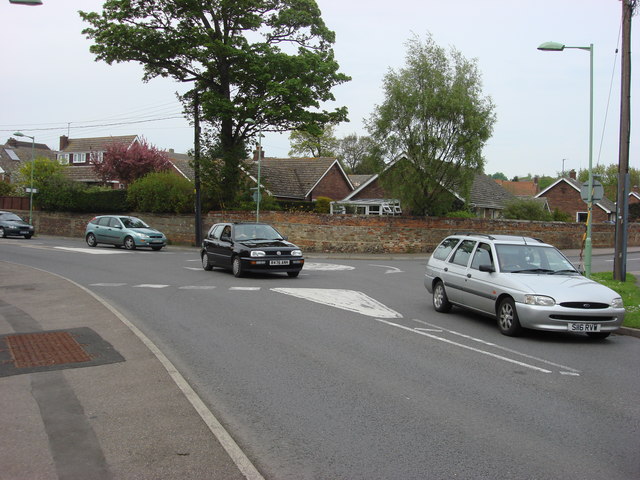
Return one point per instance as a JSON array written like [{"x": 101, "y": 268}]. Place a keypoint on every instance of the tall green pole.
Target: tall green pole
[{"x": 588, "y": 243}]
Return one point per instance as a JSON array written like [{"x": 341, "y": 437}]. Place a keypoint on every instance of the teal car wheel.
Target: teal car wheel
[{"x": 129, "y": 243}]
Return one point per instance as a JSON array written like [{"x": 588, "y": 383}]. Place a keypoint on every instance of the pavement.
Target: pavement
[{"x": 86, "y": 395}]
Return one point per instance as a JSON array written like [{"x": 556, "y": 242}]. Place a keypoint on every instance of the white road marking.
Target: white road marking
[
  {"x": 150, "y": 285},
  {"x": 107, "y": 284},
  {"x": 467, "y": 347},
  {"x": 390, "y": 269},
  {"x": 194, "y": 268},
  {"x": 92, "y": 251},
  {"x": 248, "y": 289},
  {"x": 326, "y": 267},
  {"x": 350, "y": 300},
  {"x": 197, "y": 287},
  {"x": 490, "y": 344}
]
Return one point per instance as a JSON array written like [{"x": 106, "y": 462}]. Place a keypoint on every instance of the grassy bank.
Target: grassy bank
[{"x": 629, "y": 292}]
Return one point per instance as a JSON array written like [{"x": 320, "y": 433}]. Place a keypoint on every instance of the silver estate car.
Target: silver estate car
[{"x": 522, "y": 282}]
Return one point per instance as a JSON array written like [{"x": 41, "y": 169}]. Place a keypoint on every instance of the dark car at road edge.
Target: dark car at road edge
[{"x": 244, "y": 247}]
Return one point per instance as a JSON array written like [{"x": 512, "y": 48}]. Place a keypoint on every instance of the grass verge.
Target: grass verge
[{"x": 629, "y": 292}]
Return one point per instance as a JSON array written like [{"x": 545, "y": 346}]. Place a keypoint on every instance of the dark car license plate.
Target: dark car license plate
[{"x": 278, "y": 262}]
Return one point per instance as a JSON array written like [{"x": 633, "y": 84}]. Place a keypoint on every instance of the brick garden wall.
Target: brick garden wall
[{"x": 352, "y": 233}]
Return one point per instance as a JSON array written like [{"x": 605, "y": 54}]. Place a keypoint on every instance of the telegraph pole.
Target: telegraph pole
[
  {"x": 196, "y": 164},
  {"x": 622, "y": 210}
]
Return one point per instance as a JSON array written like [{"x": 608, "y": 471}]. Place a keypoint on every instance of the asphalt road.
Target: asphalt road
[{"x": 347, "y": 372}]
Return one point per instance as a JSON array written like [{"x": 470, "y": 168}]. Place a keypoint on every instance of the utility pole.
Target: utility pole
[
  {"x": 196, "y": 164},
  {"x": 622, "y": 205}
]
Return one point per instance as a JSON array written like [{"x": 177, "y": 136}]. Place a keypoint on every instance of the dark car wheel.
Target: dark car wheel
[
  {"x": 156, "y": 248},
  {"x": 205, "y": 262},
  {"x": 598, "y": 335},
  {"x": 237, "y": 267},
  {"x": 440, "y": 300},
  {"x": 508, "y": 321},
  {"x": 3, "y": 234},
  {"x": 293, "y": 274},
  {"x": 129, "y": 244},
  {"x": 27, "y": 236},
  {"x": 91, "y": 240}
]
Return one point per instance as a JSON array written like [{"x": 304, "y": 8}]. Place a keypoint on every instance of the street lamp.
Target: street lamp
[
  {"x": 258, "y": 195},
  {"x": 558, "y": 47},
  {"x": 33, "y": 142}
]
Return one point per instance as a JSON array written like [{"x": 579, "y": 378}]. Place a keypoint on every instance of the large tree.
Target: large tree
[
  {"x": 268, "y": 60},
  {"x": 314, "y": 142},
  {"x": 435, "y": 116}
]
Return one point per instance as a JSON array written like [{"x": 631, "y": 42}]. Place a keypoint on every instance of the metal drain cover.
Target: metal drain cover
[{"x": 54, "y": 350}]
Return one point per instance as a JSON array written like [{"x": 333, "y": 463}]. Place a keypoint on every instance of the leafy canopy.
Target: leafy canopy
[
  {"x": 267, "y": 60},
  {"x": 435, "y": 117}
]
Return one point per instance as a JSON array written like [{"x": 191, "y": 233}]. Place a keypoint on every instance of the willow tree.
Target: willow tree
[
  {"x": 268, "y": 60},
  {"x": 434, "y": 123}
]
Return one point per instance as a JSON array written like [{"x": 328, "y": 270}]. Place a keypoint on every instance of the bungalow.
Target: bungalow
[
  {"x": 14, "y": 153},
  {"x": 300, "y": 179},
  {"x": 564, "y": 195}
]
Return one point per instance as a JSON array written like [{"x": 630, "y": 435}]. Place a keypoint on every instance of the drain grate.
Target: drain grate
[{"x": 45, "y": 349}]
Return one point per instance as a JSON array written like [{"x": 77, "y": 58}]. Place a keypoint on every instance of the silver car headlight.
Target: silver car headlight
[
  {"x": 296, "y": 253},
  {"x": 257, "y": 253},
  {"x": 142, "y": 235},
  {"x": 540, "y": 300},
  {"x": 617, "y": 303}
]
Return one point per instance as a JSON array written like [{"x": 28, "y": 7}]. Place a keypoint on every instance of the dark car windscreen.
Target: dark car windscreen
[
  {"x": 256, "y": 232},
  {"x": 10, "y": 217},
  {"x": 132, "y": 222}
]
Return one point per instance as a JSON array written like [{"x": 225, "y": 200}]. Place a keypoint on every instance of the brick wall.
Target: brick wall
[
  {"x": 352, "y": 233},
  {"x": 566, "y": 199}
]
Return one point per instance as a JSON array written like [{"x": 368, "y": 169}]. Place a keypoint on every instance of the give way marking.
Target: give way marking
[{"x": 349, "y": 300}]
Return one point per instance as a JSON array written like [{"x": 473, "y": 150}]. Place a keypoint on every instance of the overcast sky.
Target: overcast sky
[{"x": 51, "y": 85}]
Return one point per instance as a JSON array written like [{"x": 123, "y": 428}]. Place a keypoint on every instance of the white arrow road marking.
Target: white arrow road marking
[
  {"x": 390, "y": 269},
  {"x": 92, "y": 251},
  {"x": 326, "y": 267},
  {"x": 350, "y": 300}
]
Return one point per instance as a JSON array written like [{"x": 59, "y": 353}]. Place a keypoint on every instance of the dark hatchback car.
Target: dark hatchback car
[
  {"x": 12, "y": 225},
  {"x": 250, "y": 247}
]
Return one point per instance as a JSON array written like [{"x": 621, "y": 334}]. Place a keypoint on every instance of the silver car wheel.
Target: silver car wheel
[
  {"x": 237, "y": 266},
  {"x": 205, "y": 262},
  {"x": 508, "y": 321},
  {"x": 2, "y": 233},
  {"x": 440, "y": 300},
  {"x": 129, "y": 244},
  {"x": 91, "y": 240}
]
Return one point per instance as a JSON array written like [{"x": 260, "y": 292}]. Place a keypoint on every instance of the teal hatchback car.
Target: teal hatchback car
[{"x": 123, "y": 231}]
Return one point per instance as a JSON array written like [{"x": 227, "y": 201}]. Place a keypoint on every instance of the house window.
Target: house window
[
  {"x": 581, "y": 217},
  {"x": 63, "y": 158},
  {"x": 79, "y": 157}
]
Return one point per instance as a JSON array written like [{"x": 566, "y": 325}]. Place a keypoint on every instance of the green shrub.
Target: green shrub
[
  {"x": 322, "y": 205},
  {"x": 522, "y": 209},
  {"x": 461, "y": 214},
  {"x": 7, "y": 189},
  {"x": 161, "y": 192}
]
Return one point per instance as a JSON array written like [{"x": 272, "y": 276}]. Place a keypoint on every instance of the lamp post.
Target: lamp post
[
  {"x": 258, "y": 195},
  {"x": 33, "y": 142},
  {"x": 558, "y": 47}
]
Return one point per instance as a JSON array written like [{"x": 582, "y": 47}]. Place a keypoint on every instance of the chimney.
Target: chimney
[
  {"x": 572, "y": 174},
  {"x": 255, "y": 154},
  {"x": 171, "y": 150},
  {"x": 12, "y": 142},
  {"x": 64, "y": 142}
]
